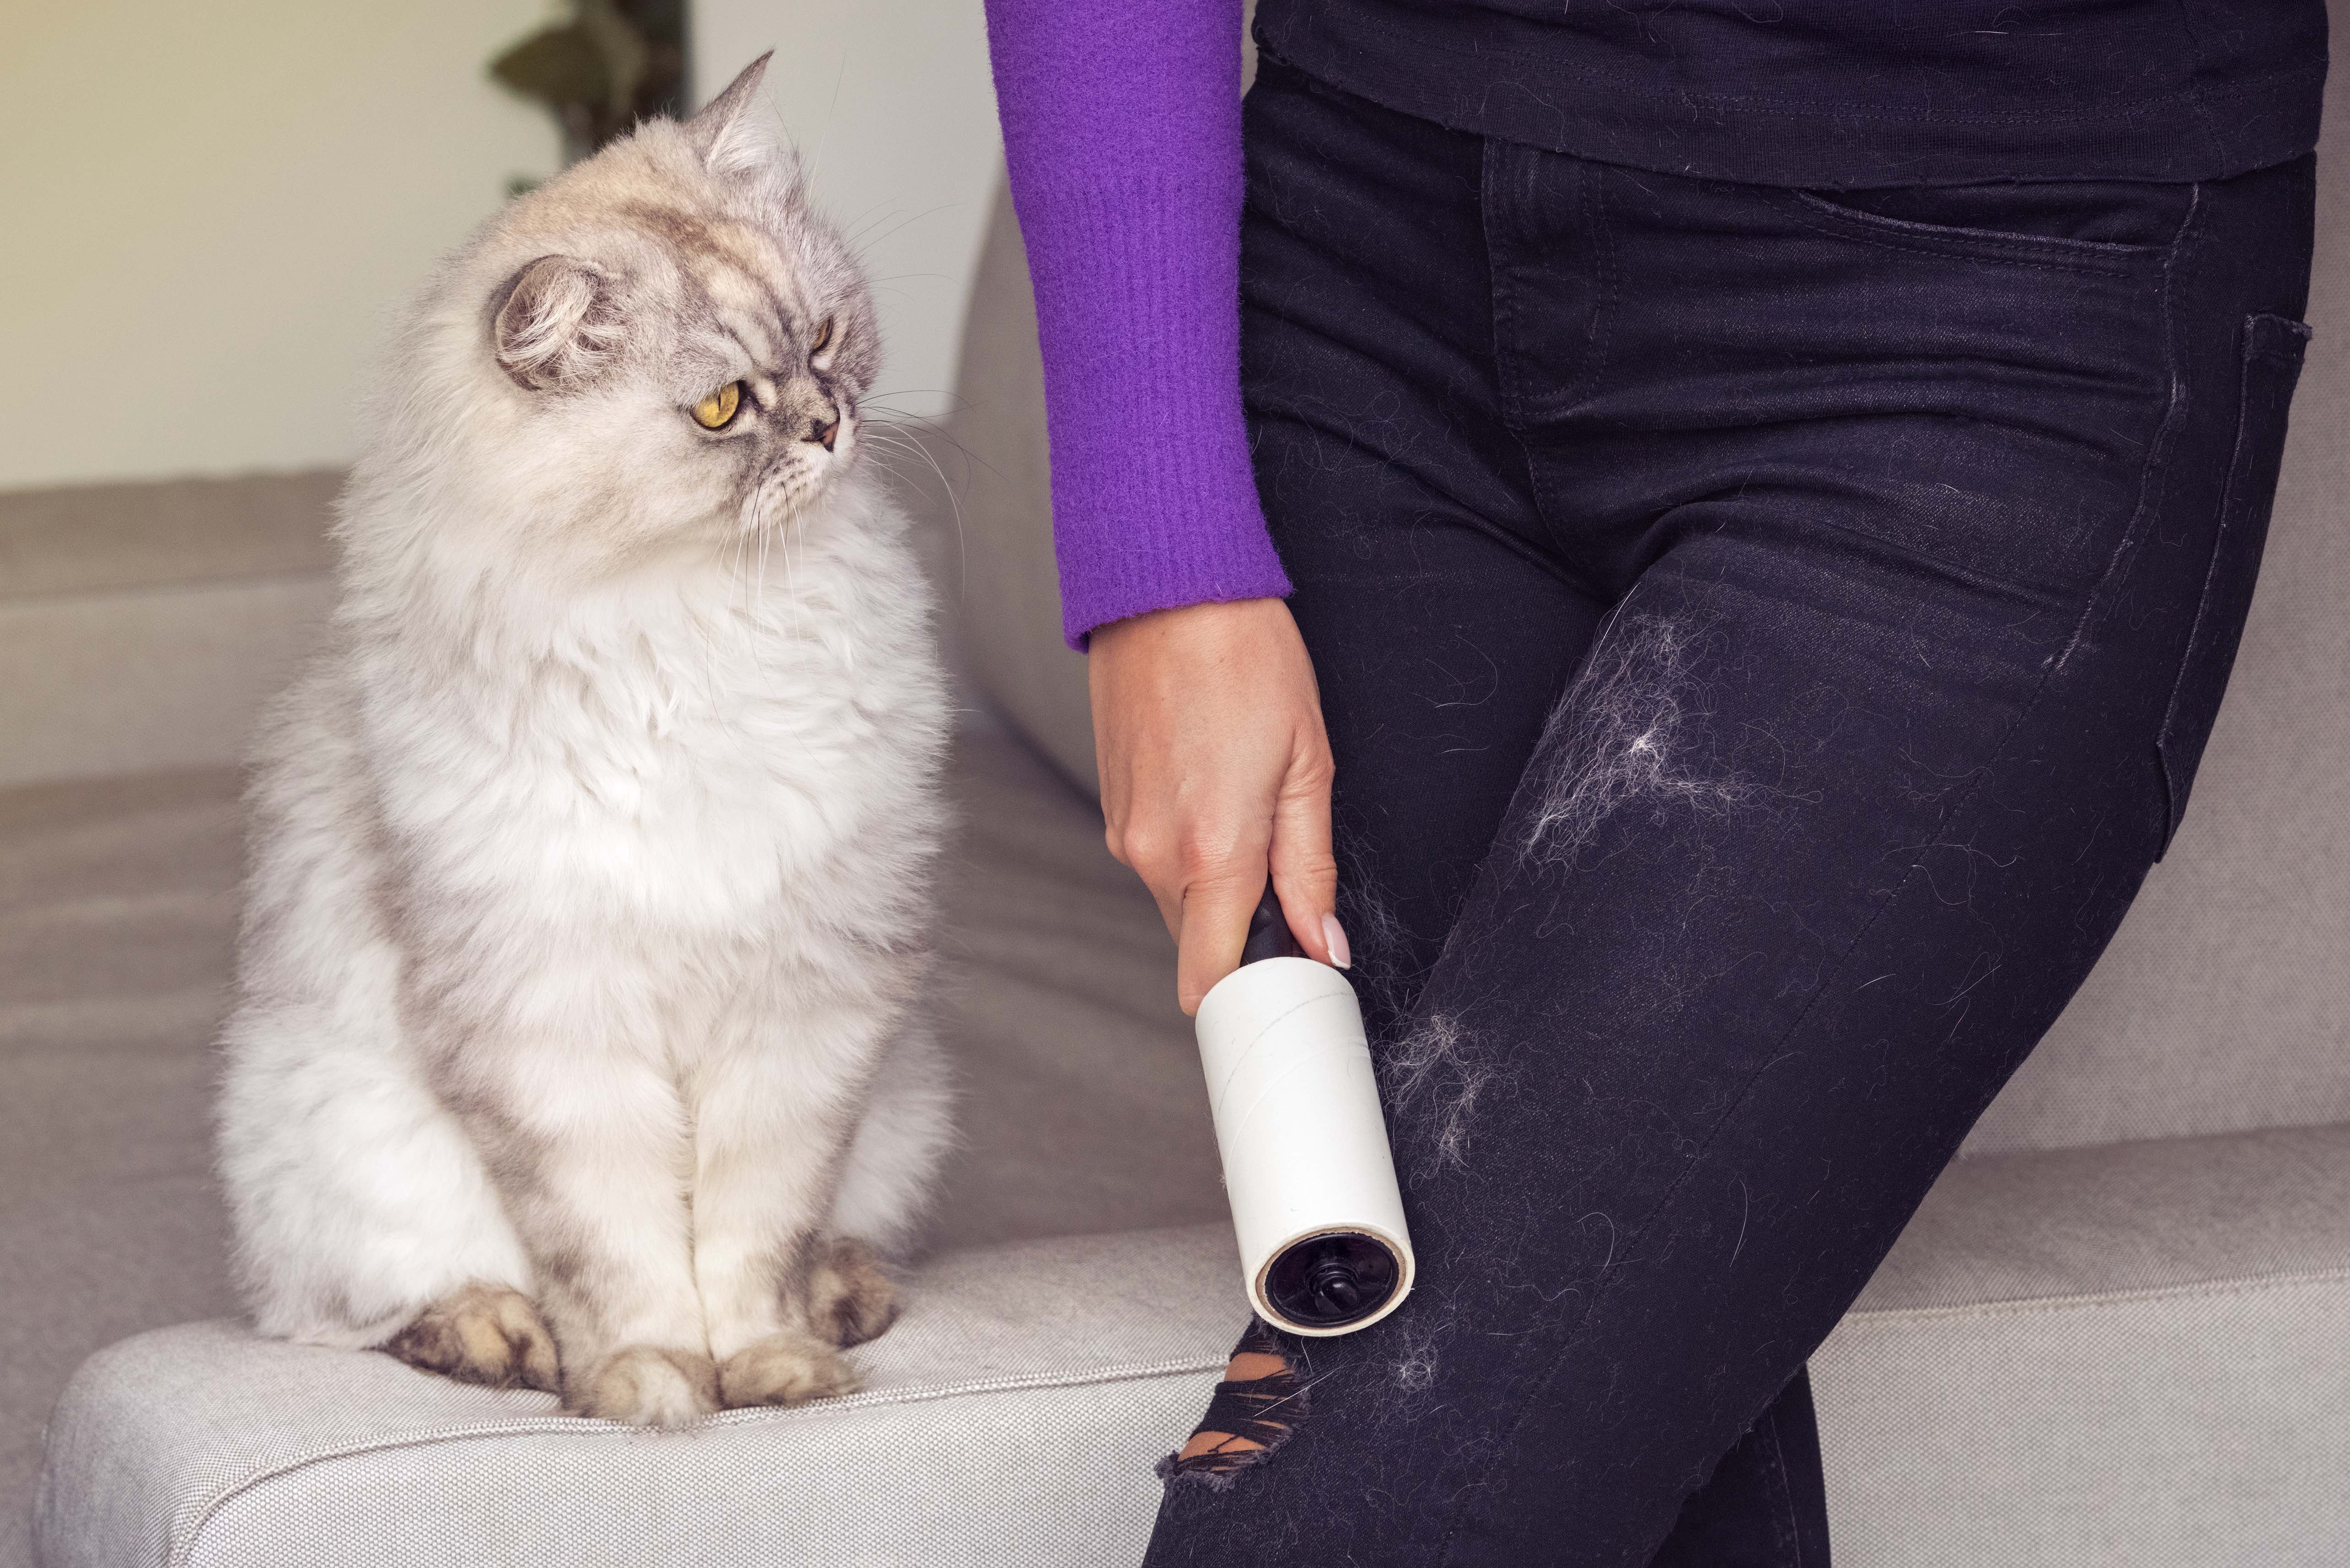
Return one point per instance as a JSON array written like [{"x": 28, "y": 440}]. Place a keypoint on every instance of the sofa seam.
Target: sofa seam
[
  {"x": 180, "y": 1544},
  {"x": 88, "y": 593},
  {"x": 1862, "y": 1318}
]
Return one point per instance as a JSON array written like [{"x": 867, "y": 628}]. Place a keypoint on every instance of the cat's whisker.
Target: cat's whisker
[
  {"x": 932, "y": 430},
  {"x": 815, "y": 159},
  {"x": 915, "y": 391},
  {"x": 741, "y": 542},
  {"x": 766, "y": 538},
  {"x": 849, "y": 230},
  {"x": 955, "y": 507},
  {"x": 862, "y": 247},
  {"x": 954, "y": 500}
]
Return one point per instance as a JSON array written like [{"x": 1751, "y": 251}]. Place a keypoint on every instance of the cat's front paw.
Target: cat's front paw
[
  {"x": 851, "y": 1296},
  {"x": 647, "y": 1385},
  {"x": 481, "y": 1334},
  {"x": 786, "y": 1369}
]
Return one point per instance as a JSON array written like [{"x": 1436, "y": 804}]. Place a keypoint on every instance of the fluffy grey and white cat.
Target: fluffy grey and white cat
[{"x": 575, "y": 1043}]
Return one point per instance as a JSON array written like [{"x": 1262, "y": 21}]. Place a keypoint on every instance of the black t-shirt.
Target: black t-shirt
[{"x": 1841, "y": 93}]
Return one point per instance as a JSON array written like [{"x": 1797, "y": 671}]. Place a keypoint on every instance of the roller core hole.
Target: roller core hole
[{"x": 1330, "y": 1281}]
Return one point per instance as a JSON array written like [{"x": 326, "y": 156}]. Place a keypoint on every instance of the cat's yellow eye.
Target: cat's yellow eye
[
  {"x": 716, "y": 412},
  {"x": 823, "y": 337}
]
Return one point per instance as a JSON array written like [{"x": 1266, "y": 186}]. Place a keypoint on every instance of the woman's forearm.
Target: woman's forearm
[{"x": 1121, "y": 126}]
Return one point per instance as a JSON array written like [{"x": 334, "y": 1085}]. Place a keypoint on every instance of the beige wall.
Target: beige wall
[
  {"x": 891, "y": 103},
  {"x": 208, "y": 209}
]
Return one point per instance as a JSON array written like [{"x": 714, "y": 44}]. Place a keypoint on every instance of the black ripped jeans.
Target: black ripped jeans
[{"x": 1766, "y": 636}]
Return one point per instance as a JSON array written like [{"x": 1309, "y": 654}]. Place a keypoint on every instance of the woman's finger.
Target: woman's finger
[
  {"x": 1305, "y": 872},
  {"x": 1216, "y": 910}
]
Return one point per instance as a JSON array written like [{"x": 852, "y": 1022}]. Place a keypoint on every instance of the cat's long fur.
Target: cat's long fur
[{"x": 591, "y": 861}]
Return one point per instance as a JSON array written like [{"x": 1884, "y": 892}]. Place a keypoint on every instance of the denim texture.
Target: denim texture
[{"x": 1766, "y": 635}]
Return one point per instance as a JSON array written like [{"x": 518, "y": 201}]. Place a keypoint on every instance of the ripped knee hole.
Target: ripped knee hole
[{"x": 1253, "y": 1410}]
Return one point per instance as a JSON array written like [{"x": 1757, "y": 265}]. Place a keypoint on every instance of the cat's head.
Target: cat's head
[{"x": 661, "y": 345}]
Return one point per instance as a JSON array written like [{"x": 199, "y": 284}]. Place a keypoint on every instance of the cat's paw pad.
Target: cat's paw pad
[
  {"x": 851, "y": 1298},
  {"x": 647, "y": 1385},
  {"x": 787, "y": 1368},
  {"x": 481, "y": 1334}
]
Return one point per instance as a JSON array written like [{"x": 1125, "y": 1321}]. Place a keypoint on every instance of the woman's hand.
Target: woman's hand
[{"x": 1214, "y": 766}]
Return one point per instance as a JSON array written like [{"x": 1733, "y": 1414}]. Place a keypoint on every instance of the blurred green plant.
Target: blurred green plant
[{"x": 610, "y": 64}]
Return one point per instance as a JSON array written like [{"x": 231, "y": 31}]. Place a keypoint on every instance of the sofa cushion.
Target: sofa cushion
[
  {"x": 2118, "y": 1356},
  {"x": 2121, "y": 1358},
  {"x": 142, "y": 625}
]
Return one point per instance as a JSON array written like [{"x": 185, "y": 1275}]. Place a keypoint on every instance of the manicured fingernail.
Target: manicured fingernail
[{"x": 1336, "y": 939}]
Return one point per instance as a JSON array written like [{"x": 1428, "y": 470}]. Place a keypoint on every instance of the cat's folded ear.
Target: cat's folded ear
[
  {"x": 557, "y": 324},
  {"x": 728, "y": 134}
]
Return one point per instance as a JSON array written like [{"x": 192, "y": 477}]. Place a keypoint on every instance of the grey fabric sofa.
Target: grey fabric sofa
[{"x": 2118, "y": 1333}]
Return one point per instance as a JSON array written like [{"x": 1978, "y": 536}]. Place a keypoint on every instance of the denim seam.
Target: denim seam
[
  {"x": 2174, "y": 801},
  {"x": 1499, "y": 295},
  {"x": 1491, "y": 210},
  {"x": 1603, "y": 243},
  {"x": 1532, "y": 1399},
  {"x": 1838, "y": 227},
  {"x": 2153, "y": 480},
  {"x": 2112, "y": 251},
  {"x": 1788, "y": 1528},
  {"x": 1498, "y": 206}
]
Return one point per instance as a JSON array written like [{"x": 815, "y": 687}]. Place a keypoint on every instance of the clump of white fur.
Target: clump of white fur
[{"x": 591, "y": 861}]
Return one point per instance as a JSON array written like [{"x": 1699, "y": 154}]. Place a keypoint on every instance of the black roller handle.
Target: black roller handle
[{"x": 1269, "y": 934}]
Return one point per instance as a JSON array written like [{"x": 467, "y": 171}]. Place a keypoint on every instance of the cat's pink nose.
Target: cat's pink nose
[{"x": 823, "y": 435}]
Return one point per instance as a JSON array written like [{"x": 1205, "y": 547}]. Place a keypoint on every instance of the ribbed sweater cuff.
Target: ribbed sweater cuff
[{"x": 1154, "y": 503}]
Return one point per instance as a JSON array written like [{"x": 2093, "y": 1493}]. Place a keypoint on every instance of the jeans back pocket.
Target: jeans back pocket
[{"x": 2272, "y": 350}]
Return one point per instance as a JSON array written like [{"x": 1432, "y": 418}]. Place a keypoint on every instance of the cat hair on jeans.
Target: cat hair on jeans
[{"x": 577, "y": 1040}]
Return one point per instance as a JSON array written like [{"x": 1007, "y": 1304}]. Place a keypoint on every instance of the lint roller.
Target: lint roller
[{"x": 1306, "y": 1166}]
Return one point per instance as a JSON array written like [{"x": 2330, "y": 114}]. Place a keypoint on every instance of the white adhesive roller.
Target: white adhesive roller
[{"x": 1306, "y": 1166}]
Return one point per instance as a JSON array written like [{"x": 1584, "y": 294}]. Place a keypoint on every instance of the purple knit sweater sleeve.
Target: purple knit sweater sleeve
[{"x": 1121, "y": 125}]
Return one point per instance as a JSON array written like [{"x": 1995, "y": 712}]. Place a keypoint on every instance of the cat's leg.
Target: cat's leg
[
  {"x": 775, "y": 1109},
  {"x": 886, "y": 1186},
  {"x": 358, "y": 1200},
  {"x": 891, "y": 1172},
  {"x": 587, "y": 1138},
  {"x": 364, "y": 1216}
]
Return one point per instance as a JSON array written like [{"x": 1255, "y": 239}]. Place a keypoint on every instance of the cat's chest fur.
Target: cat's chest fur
[{"x": 714, "y": 754}]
